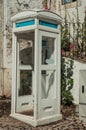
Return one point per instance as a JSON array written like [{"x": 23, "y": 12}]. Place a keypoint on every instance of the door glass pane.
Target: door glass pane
[
  {"x": 48, "y": 84},
  {"x": 48, "y": 50},
  {"x": 25, "y": 64},
  {"x": 25, "y": 87},
  {"x": 25, "y": 41}
]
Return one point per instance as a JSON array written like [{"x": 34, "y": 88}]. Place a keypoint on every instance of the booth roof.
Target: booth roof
[{"x": 37, "y": 13}]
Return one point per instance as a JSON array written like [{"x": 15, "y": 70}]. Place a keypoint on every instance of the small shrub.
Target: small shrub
[
  {"x": 2, "y": 97},
  {"x": 67, "y": 98},
  {"x": 66, "y": 81}
]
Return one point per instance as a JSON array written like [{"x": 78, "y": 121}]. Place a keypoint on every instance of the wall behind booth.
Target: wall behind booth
[
  {"x": 71, "y": 10},
  {"x": 71, "y": 15},
  {"x": 76, "y": 77},
  {"x": 9, "y": 8}
]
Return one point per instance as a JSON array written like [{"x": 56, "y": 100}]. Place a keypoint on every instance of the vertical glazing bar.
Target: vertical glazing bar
[
  {"x": 36, "y": 69},
  {"x": 14, "y": 78}
]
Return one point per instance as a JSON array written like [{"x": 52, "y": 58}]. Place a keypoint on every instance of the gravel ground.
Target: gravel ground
[{"x": 69, "y": 122}]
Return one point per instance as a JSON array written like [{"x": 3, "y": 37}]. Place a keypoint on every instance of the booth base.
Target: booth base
[{"x": 31, "y": 121}]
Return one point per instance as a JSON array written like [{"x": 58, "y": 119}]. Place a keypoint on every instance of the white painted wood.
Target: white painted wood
[
  {"x": 48, "y": 29},
  {"x": 14, "y": 77},
  {"x": 25, "y": 99},
  {"x": 24, "y": 29},
  {"x": 49, "y": 106},
  {"x": 36, "y": 74},
  {"x": 58, "y": 70},
  {"x": 42, "y": 121},
  {"x": 37, "y": 13},
  {"x": 48, "y": 67},
  {"x": 25, "y": 67},
  {"x": 46, "y": 107}
]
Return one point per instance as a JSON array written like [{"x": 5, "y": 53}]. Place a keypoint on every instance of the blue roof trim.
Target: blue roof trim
[
  {"x": 48, "y": 24},
  {"x": 25, "y": 23}
]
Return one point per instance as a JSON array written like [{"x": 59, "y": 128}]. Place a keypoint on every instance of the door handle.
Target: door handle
[{"x": 82, "y": 88}]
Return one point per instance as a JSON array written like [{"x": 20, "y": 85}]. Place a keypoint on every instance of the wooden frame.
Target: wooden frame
[{"x": 39, "y": 31}]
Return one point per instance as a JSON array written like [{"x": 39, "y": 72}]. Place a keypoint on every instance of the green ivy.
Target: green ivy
[
  {"x": 66, "y": 67},
  {"x": 66, "y": 81},
  {"x": 67, "y": 98}
]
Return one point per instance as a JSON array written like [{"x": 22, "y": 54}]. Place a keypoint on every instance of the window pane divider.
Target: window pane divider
[{"x": 25, "y": 67}]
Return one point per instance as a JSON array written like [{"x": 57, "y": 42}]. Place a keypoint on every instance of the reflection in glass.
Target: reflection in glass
[
  {"x": 25, "y": 61},
  {"x": 25, "y": 82},
  {"x": 25, "y": 48},
  {"x": 48, "y": 83},
  {"x": 48, "y": 50}
]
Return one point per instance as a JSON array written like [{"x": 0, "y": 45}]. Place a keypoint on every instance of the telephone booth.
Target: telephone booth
[{"x": 36, "y": 67}]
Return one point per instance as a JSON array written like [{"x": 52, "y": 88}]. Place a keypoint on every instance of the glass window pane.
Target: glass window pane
[
  {"x": 48, "y": 84},
  {"x": 48, "y": 50},
  {"x": 25, "y": 41},
  {"x": 25, "y": 82}
]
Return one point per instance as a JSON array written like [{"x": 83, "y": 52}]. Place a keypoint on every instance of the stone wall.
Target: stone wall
[
  {"x": 15, "y": 6},
  {"x": 7, "y": 10},
  {"x": 12, "y": 7},
  {"x": 71, "y": 13},
  {"x": 71, "y": 10}
]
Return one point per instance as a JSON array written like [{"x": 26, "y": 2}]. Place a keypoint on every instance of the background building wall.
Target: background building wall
[
  {"x": 76, "y": 76},
  {"x": 10, "y": 8},
  {"x": 71, "y": 10}
]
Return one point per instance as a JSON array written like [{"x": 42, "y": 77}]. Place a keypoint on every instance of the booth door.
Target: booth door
[
  {"x": 25, "y": 62},
  {"x": 48, "y": 83}
]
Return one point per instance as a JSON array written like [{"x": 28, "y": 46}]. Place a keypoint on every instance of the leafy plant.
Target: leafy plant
[
  {"x": 3, "y": 97},
  {"x": 84, "y": 32},
  {"x": 66, "y": 66},
  {"x": 66, "y": 81},
  {"x": 67, "y": 98}
]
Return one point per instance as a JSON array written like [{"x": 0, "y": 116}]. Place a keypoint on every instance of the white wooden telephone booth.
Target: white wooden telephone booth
[{"x": 36, "y": 67}]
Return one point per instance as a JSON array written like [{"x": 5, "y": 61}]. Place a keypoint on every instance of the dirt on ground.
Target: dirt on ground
[{"x": 70, "y": 120}]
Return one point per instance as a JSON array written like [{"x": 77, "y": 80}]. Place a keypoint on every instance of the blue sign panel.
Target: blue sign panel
[
  {"x": 67, "y": 1},
  {"x": 48, "y": 24},
  {"x": 25, "y": 23}
]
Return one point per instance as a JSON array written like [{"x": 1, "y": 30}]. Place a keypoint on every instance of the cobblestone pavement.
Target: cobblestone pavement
[{"x": 67, "y": 123}]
